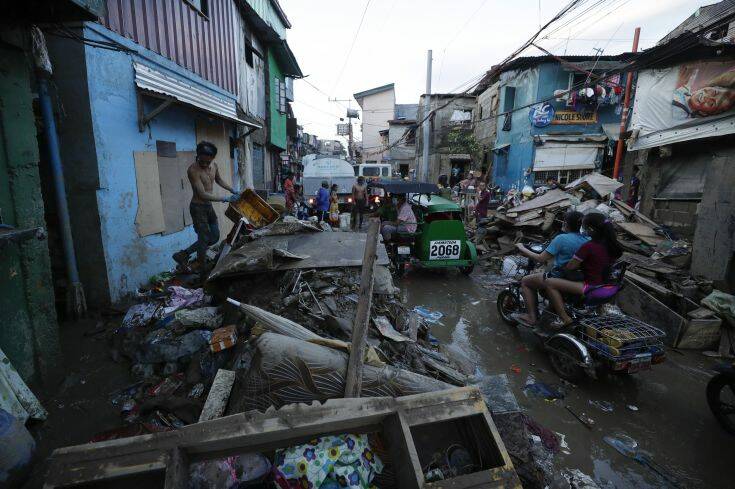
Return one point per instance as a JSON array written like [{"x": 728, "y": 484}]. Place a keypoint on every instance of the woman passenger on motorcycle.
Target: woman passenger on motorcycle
[
  {"x": 594, "y": 258},
  {"x": 561, "y": 249}
]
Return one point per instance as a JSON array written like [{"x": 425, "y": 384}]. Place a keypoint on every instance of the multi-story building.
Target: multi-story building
[{"x": 149, "y": 82}]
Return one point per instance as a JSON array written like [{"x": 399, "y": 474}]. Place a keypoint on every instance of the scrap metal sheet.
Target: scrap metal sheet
[{"x": 309, "y": 250}]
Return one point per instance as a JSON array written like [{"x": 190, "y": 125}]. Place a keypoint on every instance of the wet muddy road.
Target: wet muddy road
[{"x": 672, "y": 422}]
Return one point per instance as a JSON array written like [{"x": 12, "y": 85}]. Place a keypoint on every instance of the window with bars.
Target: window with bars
[{"x": 563, "y": 177}]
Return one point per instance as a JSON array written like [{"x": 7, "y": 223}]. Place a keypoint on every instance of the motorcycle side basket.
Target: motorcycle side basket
[{"x": 620, "y": 337}]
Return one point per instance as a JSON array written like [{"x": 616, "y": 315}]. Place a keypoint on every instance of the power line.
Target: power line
[
  {"x": 349, "y": 52},
  {"x": 454, "y": 38}
]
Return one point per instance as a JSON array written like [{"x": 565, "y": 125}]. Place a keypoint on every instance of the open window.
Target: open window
[
  {"x": 576, "y": 82},
  {"x": 201, "y": 6}
]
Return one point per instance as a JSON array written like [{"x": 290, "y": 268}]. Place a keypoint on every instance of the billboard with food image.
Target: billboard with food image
[
  {"x": 704, "y": 89},
  {"x": 688, "y": 101}
]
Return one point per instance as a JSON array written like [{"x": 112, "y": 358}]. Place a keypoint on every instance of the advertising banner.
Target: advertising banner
[{"x": 688, "y": 101}]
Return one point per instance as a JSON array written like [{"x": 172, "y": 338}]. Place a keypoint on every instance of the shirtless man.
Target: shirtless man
[
  {"x": 203, "y": 173},
  {"x": 359, "y": 199}
]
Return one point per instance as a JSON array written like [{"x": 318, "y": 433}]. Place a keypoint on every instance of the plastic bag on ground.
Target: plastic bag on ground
[
  {"x": 204, "y": 317},
  {"x": 228, "y": 472},
  {"x": 721, "y": 303},
  {"x": 182, "y": 297}
]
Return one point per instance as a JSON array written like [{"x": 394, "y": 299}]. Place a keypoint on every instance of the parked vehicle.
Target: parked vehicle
[
  {"x": 333, "y": 170},
  {"x": 440, "y": 240},
  {"x": 373, "y": 171},
  {"x": 597, "y": 342},
  {"x": 721, "y": 396}
]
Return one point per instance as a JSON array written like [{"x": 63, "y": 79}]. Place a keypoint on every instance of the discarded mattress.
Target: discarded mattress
[{"x": 287, "y": 370}]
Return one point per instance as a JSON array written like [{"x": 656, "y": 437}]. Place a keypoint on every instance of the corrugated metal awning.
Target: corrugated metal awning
[
  {"x": 152, "y": 80},
  {"x": 565, "y": 157}
]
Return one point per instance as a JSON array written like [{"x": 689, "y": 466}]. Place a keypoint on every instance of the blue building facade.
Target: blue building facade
[
  {"x": 578, "y": 137},
  {"x": 104, "y": 150}
]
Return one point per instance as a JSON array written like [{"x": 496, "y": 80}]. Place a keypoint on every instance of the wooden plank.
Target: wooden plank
[
  {"x": 649, "y": 284},
  {"x": 171, "y": 194},
  {"x": 184, "y": 160},
  {"x": 629, "y": 211},
  {"x": 177, "y": 470},
  {"x": 641, "y": 305},
  {"x": 641, "y": 231},
  {"x": 149, "y": 217},
  {"x": 353, "y": 381},
  {"x": 218, "y": 395},
  {"x": 544, "y": 200},
  {"x": 22, "y": 393}
]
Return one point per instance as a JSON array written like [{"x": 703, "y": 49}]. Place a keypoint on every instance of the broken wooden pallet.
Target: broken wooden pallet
[{"x": 403, "y": 422}]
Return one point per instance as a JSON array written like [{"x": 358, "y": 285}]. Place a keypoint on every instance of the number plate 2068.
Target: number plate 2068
[{"x": 447, "y": 249}]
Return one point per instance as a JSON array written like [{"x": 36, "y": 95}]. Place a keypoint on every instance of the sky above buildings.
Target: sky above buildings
[{"x": 466, "y": 36}]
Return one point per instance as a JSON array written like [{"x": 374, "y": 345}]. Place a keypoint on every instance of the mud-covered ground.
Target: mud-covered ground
[{"x": 672, "y": 421}]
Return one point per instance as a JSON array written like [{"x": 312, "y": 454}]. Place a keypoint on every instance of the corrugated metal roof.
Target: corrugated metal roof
[
  {"x": 373, "y": 91},
  {"x": 147, "y": 78},
  {"x": 704, "y": 17}
]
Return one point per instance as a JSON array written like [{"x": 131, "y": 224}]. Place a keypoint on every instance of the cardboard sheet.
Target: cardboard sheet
[{"x": 149, "y": 217}]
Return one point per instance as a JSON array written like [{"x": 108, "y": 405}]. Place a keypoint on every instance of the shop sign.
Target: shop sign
[
  {"x": 572, "y": 117},
  {"x": 541, "y": 115}
]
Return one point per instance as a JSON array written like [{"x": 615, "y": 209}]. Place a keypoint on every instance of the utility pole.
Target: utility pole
[
  {"x": 351, "y": 114},
  {"x": 626, "y": 107},
  {"x": 427, "y": 123}
]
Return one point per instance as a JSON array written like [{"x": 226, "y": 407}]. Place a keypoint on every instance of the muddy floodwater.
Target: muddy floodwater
[{"x": 664, "y": 409}]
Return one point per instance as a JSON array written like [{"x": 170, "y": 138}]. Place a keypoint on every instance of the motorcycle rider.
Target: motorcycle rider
[
  {"x": 561, "y": 249},
  {"x": 594, "y": 258}
]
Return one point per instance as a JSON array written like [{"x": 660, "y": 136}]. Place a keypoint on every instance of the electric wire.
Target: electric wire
[{"x": 352, "y": 46}]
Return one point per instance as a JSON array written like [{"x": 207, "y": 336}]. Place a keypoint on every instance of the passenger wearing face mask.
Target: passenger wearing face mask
[
  {"x": 561, "y": 250},
  {"x": 405, "y": 222},
  {"x": 594, "y": 258}
]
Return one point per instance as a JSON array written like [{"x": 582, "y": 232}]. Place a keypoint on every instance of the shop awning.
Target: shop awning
[
  {"x": 152, "y": 80},
  {"x": 559, "y": 156}
]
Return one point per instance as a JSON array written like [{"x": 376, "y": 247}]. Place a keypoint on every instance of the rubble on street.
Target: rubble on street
[{"x": 659, "y": 289}]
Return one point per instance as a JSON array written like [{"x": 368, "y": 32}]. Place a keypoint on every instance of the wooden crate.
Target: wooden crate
[{"x": 406, "y": 425}]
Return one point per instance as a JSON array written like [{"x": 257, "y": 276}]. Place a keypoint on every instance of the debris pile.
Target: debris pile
[{"x": 659, "y": 290}]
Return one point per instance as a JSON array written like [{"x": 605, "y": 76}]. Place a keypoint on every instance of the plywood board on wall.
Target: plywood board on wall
[
  {"x": 172, "y": 191},
  {"x": 185, "y": 159},
  {"x": 216, "y": 131},
  {"x": 149, "y": 217}
]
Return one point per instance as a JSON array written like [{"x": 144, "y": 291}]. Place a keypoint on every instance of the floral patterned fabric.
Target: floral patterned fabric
[{"x": 328, "y": 462}]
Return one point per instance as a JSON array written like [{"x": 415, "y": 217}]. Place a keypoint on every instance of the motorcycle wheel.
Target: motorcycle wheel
[
  {"x": 721, "y": 402},
  {"x": 467, "y": 270},
  {"x": 565, "y": 360},
  {"x": 508, "y": 304}
]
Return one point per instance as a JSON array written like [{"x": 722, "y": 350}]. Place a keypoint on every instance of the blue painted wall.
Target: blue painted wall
[
  {"x": 130, "y": 259},
  {"x": 533, "y": 85},
  {"x": 519, "y": 155}
]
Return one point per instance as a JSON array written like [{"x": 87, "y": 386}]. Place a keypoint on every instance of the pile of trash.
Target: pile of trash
[{"x": 659, "y": 291}]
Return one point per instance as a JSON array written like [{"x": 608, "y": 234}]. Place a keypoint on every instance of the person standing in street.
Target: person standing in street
[
  {"x": 359, "y": 202},
  {"x": 289, "y": 193},
  {"x": 483, "y": 200},
  {"x": 322, "y": 201},
  {"x": 203, "y": 174}
]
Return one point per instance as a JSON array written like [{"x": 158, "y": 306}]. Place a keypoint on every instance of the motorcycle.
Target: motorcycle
[
  {"x": 597, "y": 342},
  {"x": 721, "y": 396}
]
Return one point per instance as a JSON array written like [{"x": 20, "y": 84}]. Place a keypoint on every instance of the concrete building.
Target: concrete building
[
  {"x": 451, "y": 137},
  {"x": 402, "y": 139},
  {"x": 29, "y": 334},
  {"x": 553, "y": 121},
  {"x": 485, "y": 122},
  {"x": 133, "y": 115},
  {"x": 378, "y": 107},
  {"x": 685, "y": 150}
]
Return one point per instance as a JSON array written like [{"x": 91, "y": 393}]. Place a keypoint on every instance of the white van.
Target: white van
[{"x": 374, "y": 171}]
